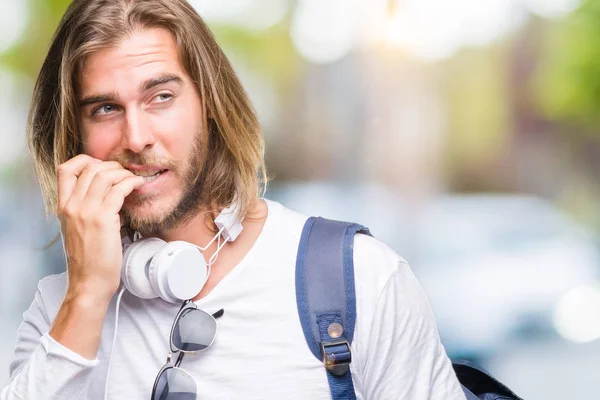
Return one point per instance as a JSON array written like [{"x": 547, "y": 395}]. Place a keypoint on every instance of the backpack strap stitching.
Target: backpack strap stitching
[{"x": 301, "y": 293}]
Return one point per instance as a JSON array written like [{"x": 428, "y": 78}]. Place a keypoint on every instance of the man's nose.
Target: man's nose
[{"x": 138, "y": 134}]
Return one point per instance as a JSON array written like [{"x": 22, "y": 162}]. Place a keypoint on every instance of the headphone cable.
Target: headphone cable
[{"x": 113, "y": 342}]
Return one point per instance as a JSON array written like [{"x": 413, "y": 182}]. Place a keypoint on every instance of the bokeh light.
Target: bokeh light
[{"x": 576, "y": 316}]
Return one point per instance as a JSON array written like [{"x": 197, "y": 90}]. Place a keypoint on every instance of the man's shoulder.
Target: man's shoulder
[
  {"x": 378, "y": 270},
  {"x": 284, "y": 224},
  {"x": 280, "y": 214},
  {"x": 374, "y": 261},
  {"x": 377, "y": 256},
  {"x": 370, "y": 253}
]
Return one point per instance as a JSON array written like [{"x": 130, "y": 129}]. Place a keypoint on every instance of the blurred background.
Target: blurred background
[{"x": 465, "y": 133}]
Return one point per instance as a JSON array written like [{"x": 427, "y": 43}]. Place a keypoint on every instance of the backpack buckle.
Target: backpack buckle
[{"x": 336, "y": 356}]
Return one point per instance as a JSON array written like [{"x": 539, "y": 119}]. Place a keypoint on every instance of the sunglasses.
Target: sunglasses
[{"x": 193, "y": 330}]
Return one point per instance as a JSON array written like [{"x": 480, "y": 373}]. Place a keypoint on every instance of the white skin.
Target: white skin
[{"x": 138, "y": 106}]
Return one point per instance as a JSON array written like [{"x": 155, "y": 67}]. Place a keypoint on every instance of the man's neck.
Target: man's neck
[
  {"x": 197, "y": 231},
  {"x": 233, "y": 252}
]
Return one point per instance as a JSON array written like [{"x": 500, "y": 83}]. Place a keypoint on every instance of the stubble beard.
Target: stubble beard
[{"x": 187, "y": 207}]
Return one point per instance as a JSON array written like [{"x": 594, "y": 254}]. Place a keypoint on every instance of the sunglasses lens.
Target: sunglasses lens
[
  {"x": 194, "y": 330},
  {"x": 174, "y": 384}
]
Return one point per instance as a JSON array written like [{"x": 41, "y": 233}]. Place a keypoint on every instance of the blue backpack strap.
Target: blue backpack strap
[
  {"x": 326, "y": 297},
  {"x": 327, "y": 309}
]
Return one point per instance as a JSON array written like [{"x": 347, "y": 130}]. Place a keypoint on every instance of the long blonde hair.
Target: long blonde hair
[{"x": 235, "y": 153}]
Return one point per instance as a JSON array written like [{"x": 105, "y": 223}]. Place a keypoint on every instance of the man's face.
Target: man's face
[{"x": 138, "y": 106}]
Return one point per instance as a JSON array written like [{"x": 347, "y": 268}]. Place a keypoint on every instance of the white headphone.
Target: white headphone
[{"x": 174, "y": 271}]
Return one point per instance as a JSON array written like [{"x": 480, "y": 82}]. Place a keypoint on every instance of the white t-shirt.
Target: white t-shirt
[{"x": 260, "y": 351}]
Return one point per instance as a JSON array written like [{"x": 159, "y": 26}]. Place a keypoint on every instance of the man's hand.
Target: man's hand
[{"x": 90, "y": 195}]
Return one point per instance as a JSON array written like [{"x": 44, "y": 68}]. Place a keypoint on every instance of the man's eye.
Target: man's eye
[
  {"x": 105, "y": 109},
  {"x": 163, "y": 97}
]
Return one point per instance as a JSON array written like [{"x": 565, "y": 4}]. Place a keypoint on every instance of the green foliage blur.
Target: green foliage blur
[
  {"x": 568, "y": 84},
  {"x": 28, "y": 54}
]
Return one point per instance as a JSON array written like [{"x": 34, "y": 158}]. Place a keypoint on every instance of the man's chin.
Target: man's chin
[
  {"x": 154, "y": 214},
  {"x": 144, "y": 217}
]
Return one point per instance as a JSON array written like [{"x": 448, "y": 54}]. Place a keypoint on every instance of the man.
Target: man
[{"x": 138, "y": 118}]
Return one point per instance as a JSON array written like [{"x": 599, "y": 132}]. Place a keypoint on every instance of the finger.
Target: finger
[
  {"x": 113, "y": 202},
  {"x": 102, "y": 182},
  {"x": 66, "y": 175},
  {"x": 87, "y": 176}
]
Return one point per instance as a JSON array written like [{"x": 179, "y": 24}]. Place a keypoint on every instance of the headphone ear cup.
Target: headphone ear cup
[
  {"x": 135, "y": 271},
  {"x": 178, "y": 271}
]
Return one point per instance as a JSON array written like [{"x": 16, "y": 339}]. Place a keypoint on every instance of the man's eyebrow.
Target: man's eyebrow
[
  {"x": 150, "y": 83},
  {"x": 145, "y": 86},
  {"x": 98, "y": 98}
]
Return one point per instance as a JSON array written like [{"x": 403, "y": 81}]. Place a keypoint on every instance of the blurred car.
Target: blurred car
[{"x": 494, "y": 266}]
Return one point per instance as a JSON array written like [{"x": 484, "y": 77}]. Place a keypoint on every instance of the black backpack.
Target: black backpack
[{"x": 327, "y": 310}]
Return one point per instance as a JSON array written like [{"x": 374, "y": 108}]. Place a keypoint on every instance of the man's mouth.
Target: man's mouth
[{"x": 149, "y": 175}]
